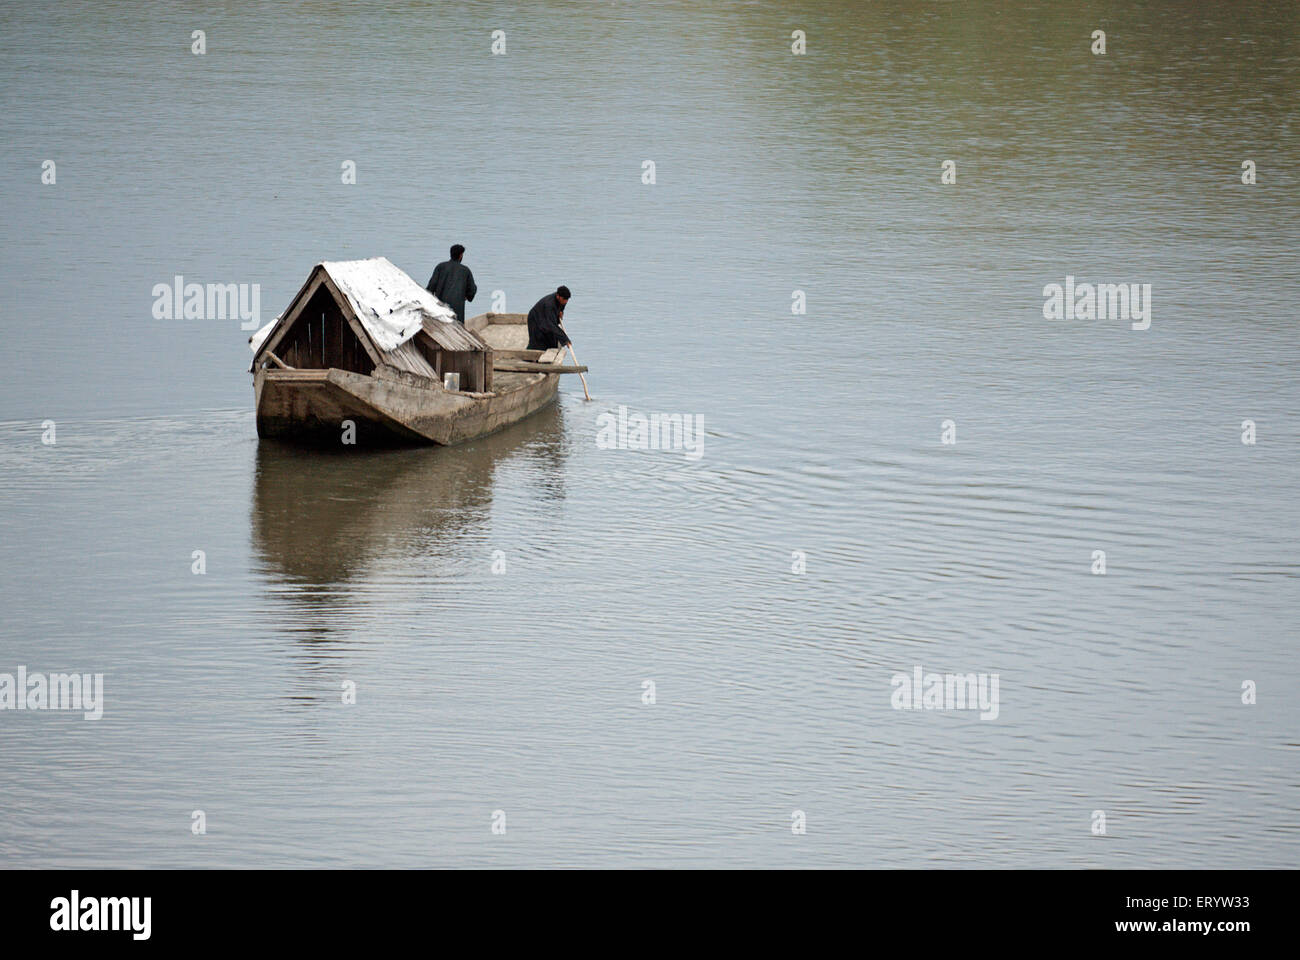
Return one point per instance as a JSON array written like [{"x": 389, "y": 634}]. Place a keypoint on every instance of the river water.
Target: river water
[{"x": 502, "y": 608}]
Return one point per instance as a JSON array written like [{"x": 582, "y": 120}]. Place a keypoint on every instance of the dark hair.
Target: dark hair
[
  {"x": 457, "y": 251},
  {"x": 563, "y": 291}
]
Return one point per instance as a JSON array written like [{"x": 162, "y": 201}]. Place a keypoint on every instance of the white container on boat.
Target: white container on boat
[{"x": 451, "y": 381}]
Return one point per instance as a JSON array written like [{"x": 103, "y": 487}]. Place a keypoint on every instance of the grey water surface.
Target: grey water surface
[{"x": 500, "y": 606}]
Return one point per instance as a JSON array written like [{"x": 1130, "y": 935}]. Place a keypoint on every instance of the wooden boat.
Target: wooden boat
[{"x": 360, "y": 354}]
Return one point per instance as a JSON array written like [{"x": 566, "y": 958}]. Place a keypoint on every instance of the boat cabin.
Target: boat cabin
[{"x": 370, "y": 318}]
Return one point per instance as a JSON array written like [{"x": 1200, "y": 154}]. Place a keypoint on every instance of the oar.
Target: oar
[{"x": 580, "y": 374}]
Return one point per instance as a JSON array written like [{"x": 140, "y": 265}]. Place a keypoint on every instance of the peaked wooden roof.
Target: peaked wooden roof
[{"x": 385, "y": 308}]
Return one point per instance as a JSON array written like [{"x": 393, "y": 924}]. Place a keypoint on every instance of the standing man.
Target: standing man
[
  {"x": 544, "y": 330},
  {"x": 452, "y": 283}
]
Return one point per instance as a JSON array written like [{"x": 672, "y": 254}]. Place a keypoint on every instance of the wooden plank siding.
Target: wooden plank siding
[{"x": 320, "y": 337}]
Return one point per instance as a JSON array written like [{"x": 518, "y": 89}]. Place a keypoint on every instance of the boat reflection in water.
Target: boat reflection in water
[{"x": 369, "y": 520}]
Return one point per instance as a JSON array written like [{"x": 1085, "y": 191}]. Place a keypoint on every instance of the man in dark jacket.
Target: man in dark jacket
[
  {"x": 452, "y": 283},
  {"x": 544, "y": 330}
]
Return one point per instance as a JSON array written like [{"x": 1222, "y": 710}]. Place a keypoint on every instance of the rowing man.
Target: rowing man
[{"x": 544, "y": 329}]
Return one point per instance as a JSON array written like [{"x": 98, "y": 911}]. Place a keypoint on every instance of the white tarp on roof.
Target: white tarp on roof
[
  {"x": 256, "y": 340},
  {"x": 390, "y": 305}
]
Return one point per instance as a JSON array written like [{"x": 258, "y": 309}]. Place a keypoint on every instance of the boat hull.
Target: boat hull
[{"x": 316, "y": 407}]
